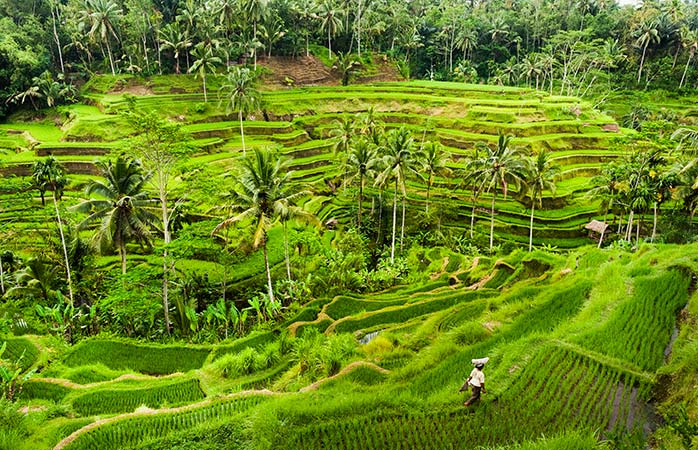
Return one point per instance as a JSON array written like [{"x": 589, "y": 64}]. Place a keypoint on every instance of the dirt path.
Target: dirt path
[
  {"x": 346, "y": 370},
  {"x": 127, "y": 376}
]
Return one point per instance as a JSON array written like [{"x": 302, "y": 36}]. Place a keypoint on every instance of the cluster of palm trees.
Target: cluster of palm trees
[
  {"x": 390, "y": 159},
  {"x": 644, "y": 180},
  {"x": 565, "y": 44}
]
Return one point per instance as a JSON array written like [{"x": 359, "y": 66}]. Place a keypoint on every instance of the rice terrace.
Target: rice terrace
[{"x": 359, "y": 224}]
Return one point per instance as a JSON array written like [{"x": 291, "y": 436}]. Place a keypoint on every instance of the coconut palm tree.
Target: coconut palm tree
[
  {"x": 607, "y": 187},
  {"x": 122, "y": 206},
  {"x": 49, "y": 175},
  {"x": 205, "y": 61},
  {"x": 331, "y": 22},
  {"x": 254, "y": 11},
  {"x": 241, "y": 95},
  {"x": 172, "y": 37},
  {"x": 37, "y": 278},
  {"x": 362, "y": 162},
  {"x": 265, "y": 192},
  {"x": 500, "y": 166},
  {"x": 540, "y": 177},
  {"x": 399, "y": 160},
  {"x": 646, "y": 33},
  {"x": 690, "y": 41},
  {"x": 104, "y": 17},
  {"x": 434, "y": 160}
]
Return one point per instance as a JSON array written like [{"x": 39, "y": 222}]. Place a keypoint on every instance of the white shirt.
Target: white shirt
[{"x": 477, "y": 378}]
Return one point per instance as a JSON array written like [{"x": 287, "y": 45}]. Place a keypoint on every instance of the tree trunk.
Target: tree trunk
[
  {"x": 242, "y": 134},
  {"x": 428, "y": 189},
  {"x": 654, "y": 224},
  {"x": 642, "y": 62},
  {"x": 472, "y": 220},
  {"x": 329, "y": 42},
  {"x": 629, "y": 229},
  {"x": 254, "y": 50},
  {"x": 165, "y": 255},
  {"x": 402, "y": 224},
  {"x": 111, "y": 58},
  {"x": 65, "y": 249},
  {"x": 266, "y": 266},
  {"x": 605, "y": 217},
  {"x": 392, "y": 243},
  {"x": 530, "y": 233},
  {"x": 56, "y": 38},
  {"x": 203, "y": 72},
  {"x": 361, "y": 195},
  {"x": 122, "y": 253},
  {"x": 494, "y": 196},
  {"x": 685, "y": 69},
  {"x": 286, "y": 256}
]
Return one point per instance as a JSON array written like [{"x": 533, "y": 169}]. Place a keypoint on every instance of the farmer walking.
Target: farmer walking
[{"x": 476, "y": 380}]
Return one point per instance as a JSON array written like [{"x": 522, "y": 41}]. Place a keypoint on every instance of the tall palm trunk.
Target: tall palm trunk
[
  {"x": 530, "y": 233},
  {"x": 122, "y": 253},
  {"x": 65, "y": 249},
  {"x": 605, "y": 217},
  {"x": 203, "y": 77},
  {"x": 242, "y": 133},
  {"x": 165, "y": 259},
  {"x": 286, "y": 255},
  {"x": 642, "y": 62},
  {"x": 629, "y": 229},
  {"x": 472, "y": 220},
  {"x": 56, "y": 38},
  {"x": 685, "y": 69},
  {"x": 329, "y": 43},
  {"x": 111, "y": 58},
  {"x": 494, "y": 196},
  {"x": 392, "y": 244},
  {"x": 266, "y": 266},
  {"x": 654, "y": 224},
  {"x": 402, "y": 224},
  {"x": 428, "y": 192},
  {"x": 361, "y": 196}
]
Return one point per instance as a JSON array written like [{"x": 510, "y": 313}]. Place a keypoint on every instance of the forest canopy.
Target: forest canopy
[{"x": 569, "y": 47}]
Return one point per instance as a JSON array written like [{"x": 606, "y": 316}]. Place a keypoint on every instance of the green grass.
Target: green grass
[{"x": 20, "y": 351}]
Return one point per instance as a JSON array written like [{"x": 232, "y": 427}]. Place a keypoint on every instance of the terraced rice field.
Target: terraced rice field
[
  {"x": 298, "y": 121},
  {"x": 560, "y": 363}
]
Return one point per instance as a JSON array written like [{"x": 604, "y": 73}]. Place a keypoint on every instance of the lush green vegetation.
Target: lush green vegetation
[{"x": 207, "y": 260}]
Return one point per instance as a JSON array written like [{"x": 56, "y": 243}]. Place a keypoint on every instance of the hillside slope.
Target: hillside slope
[{"x": 575, "y": 343}]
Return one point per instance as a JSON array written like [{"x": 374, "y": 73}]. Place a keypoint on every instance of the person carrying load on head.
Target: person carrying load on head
[{"x": 476, "y": 380}]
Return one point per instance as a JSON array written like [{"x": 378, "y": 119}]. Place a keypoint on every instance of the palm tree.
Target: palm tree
[
  {"x": 241, "y": 95},
  {"x": 690, "y": 41},
  {"x": 123, "y": 208},
  {"x": 49, "y": 175},
  {"x": 362, "y": 162},
  {"x": 172, "y": 37},
  {"x": 37, "y": 277},
  {"x": 607, "y": 186},
  {"x": 304, "y": 10},
  {"x": 104, "y": 16},
  {"x": 399, "y": 159},
  {"x": 498, "y": 167},
  {"x": 264, "y": 194},
  {"x": 331, "y": 22},
  {"x": 540, "y": 177},
  {"x": 434, "y": 163},
  {"x": 645, "y": 34},
  {"x": 254, "y": 11},
  {"x": 205, "y": 62}
]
